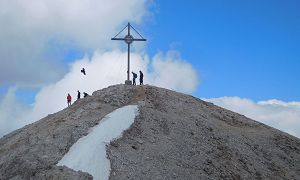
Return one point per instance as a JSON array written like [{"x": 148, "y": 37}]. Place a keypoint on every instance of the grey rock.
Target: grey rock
[
  {"x": 32, "y": 151},
  {"x": 175, "y": 136},
  {"x": 186, "y": 138}
]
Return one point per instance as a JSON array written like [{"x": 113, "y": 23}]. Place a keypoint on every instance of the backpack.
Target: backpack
[{"x": 134, "y": 75}]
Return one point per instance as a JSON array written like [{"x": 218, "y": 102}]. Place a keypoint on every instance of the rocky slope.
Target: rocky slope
[{"x": 175, "y": 136}]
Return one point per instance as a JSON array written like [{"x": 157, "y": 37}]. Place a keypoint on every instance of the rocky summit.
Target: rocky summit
[{"x": 174, "y": 136}]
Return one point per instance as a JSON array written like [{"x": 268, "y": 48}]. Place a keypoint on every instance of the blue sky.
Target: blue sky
[{"x": 249, "y": 49}]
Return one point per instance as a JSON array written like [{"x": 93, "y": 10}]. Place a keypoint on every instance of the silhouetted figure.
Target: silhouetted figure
[
  {"x": 85, "y": 94},
  {"x": 134, "y": 77},
  {"x": 83, "y": 71},
  {"x": 69, "y": 99},
  {"x": 141, "y": 78},
  {"x": 78, "y": 94}
]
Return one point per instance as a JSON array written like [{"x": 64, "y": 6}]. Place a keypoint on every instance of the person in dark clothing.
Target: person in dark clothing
[
  {"x": 83, "y": 71},
  {"x": 85, "y": 94},
  {"x": 78, "y": 94},
  {"x": 134, "y": 77},
  {"x": 141, "y": 78},
  {"x": 69, "y": 99}
]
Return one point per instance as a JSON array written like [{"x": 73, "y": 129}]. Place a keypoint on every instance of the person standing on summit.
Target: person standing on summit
[
  {"x": 134, "y": 77},
  {"x": 78, "y": 94},
  {"x": 141, "y": 78},
  {"x": 69, "y": 99}
]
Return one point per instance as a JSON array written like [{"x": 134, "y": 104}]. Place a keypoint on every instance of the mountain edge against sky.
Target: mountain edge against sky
[{"x": 174, "y": 136}]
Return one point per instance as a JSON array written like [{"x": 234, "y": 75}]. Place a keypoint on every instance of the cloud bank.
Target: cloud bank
[
  {"x": 11, "y": 111},
  {"x": 31, "y": 29},
  {"x": 167, "y": 70},
  {"x": 284, "y": 116}
]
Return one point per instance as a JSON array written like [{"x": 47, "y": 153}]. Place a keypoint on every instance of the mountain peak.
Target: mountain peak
[{"x": 174, "y": 136}]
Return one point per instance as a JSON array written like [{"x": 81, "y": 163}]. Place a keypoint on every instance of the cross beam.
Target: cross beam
[{"x": 128, "y": 39}]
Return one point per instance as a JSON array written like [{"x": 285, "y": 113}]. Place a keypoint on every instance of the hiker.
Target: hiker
[
  {"x": 141, "y": 78},
  {"x": 85, "y": 94},
  {"x": 83, "y": 71},
  {"x": 69, "y": 99},
  {"x": 134, "y": 77},
  {"x": 78, "y": 94}
]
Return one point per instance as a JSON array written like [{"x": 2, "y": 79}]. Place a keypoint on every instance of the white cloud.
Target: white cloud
[
  {"x": 11, "y": 111},
  {"x": 284, "y": 116},
  {"x": 104, "y": 69},
  {"x": 173, "y": 72},
  {"x": 27, "y": 28}
]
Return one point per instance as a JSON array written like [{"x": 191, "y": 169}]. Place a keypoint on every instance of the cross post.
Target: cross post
[{"x": 128, "y": 39}]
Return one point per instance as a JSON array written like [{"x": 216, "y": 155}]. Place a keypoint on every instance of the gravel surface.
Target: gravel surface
[
  {"x": 175, "y": 136},
  {"x": 33, "y": 151}
]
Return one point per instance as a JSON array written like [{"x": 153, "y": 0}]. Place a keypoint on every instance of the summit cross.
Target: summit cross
[{"x": 128, "y": 39}]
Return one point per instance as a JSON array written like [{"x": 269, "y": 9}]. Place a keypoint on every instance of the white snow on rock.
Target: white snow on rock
[{"x": 88, "y": 154}]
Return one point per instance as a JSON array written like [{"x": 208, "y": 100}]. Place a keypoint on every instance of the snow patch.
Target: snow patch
[{"x": 88, "y": 154}]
